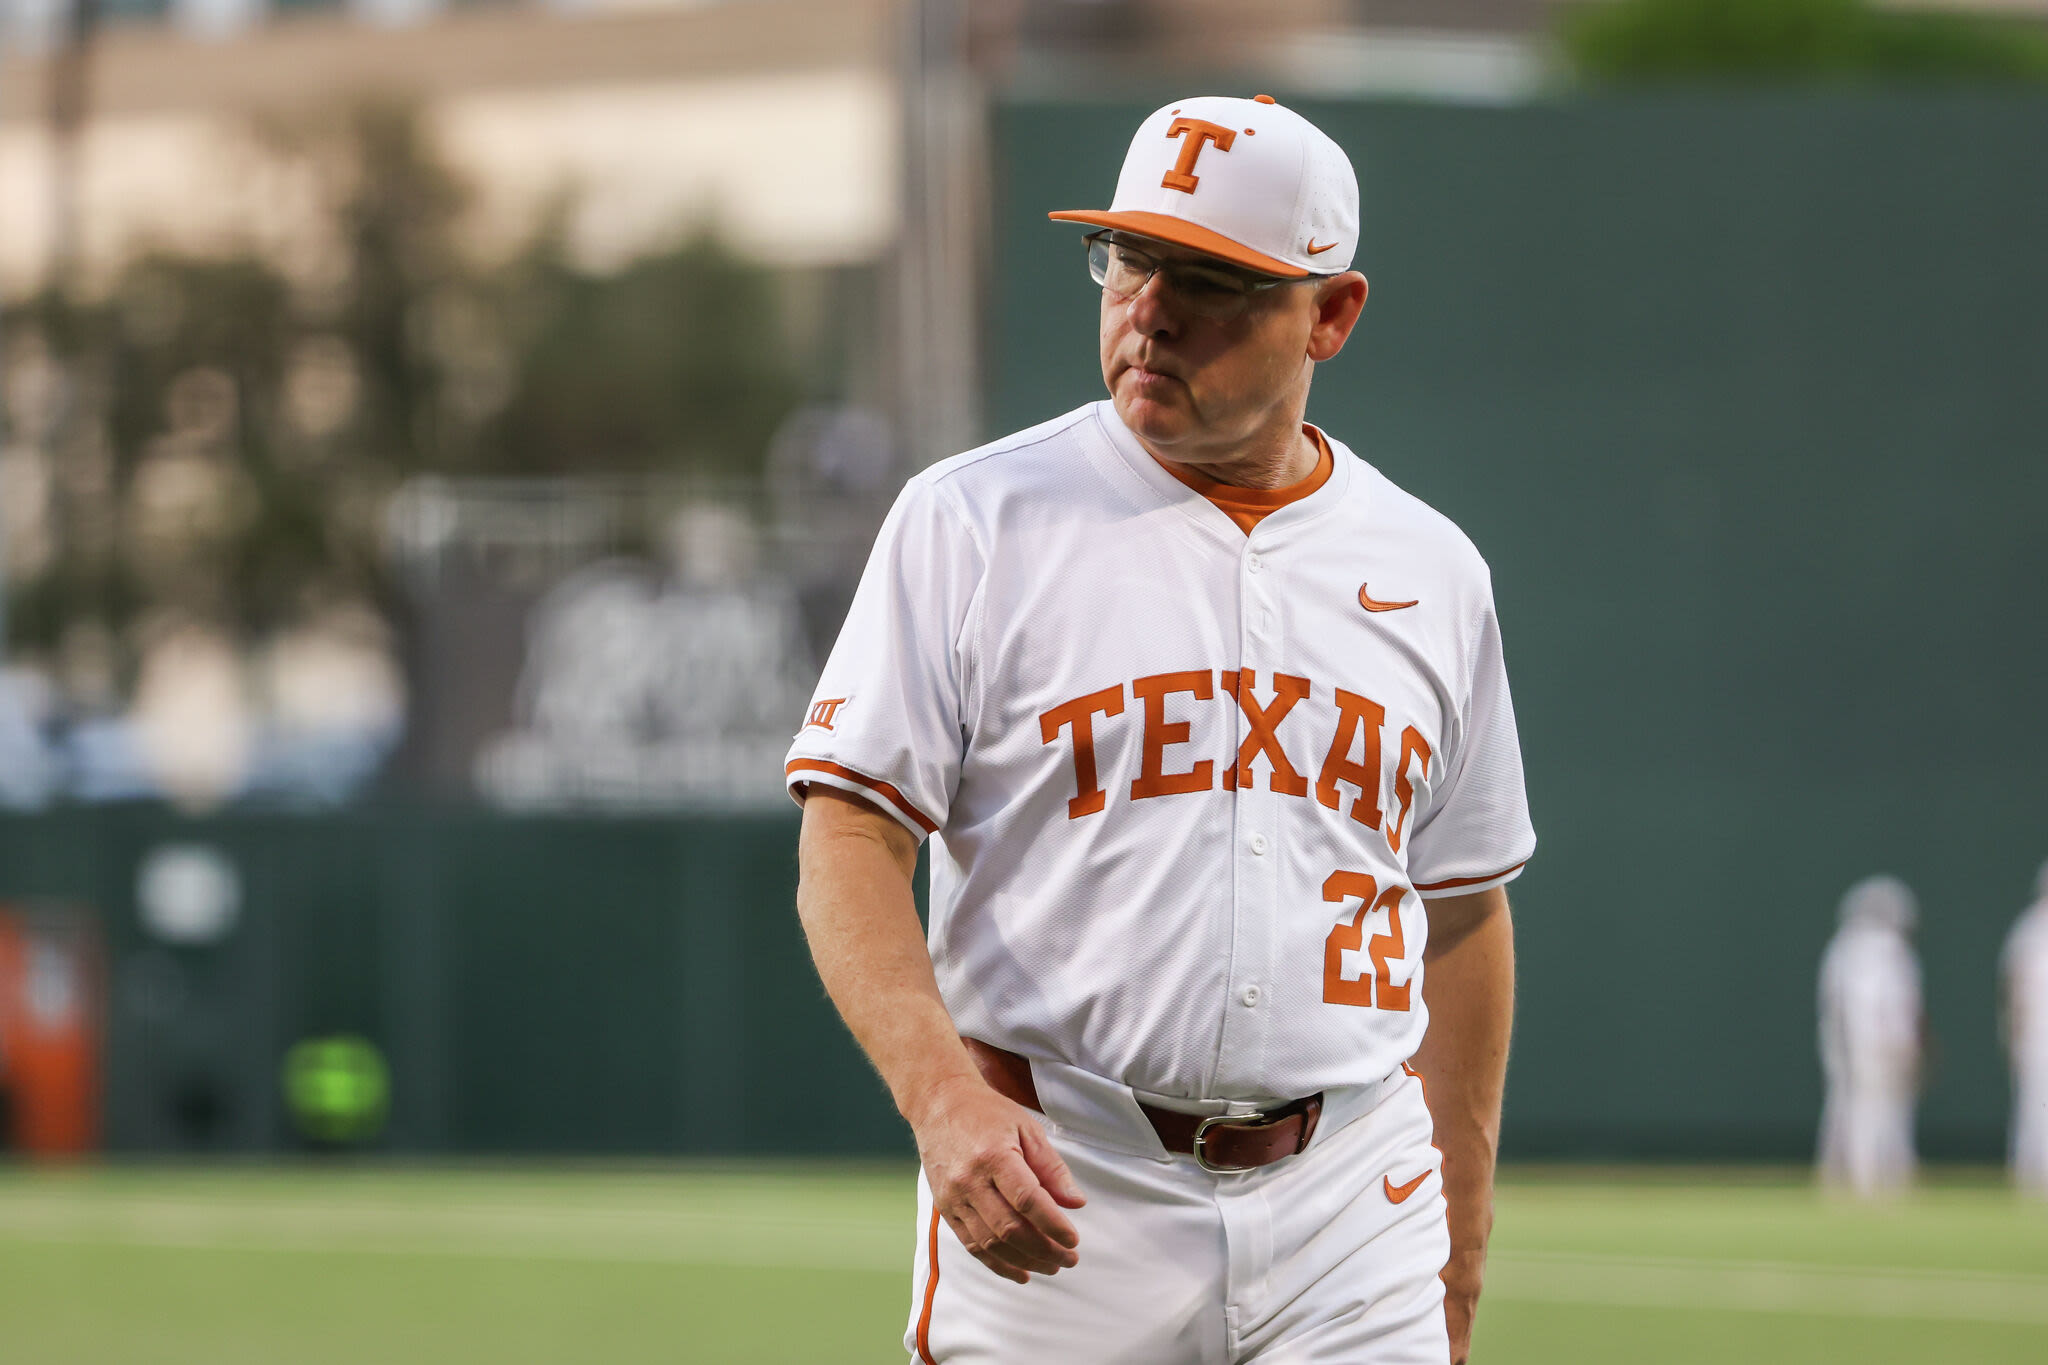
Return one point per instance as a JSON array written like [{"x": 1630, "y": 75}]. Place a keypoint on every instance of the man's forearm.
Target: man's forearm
[
  {"x": 1469, "y": 986},
  {"x": 994, "y": 1176},
  {"x": 854, "y": 898}
]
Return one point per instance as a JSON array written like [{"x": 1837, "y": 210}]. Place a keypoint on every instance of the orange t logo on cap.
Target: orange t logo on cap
[{"x": 1199, "y": 133}]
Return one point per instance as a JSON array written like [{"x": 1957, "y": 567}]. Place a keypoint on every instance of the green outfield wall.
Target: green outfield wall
[
  {"x": 536, "y": 985},
  {"x": 1745, "y": 399}
]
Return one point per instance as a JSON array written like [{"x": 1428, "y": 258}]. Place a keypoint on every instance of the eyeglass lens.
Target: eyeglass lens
[{"x": 1124, "y": 270}]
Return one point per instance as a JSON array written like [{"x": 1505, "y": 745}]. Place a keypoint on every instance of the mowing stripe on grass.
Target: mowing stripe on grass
[
  {"x": 468, "y": 1229},
  {"x": 1807, "y": 1288},
  {"x": 784, "y": 1235}
]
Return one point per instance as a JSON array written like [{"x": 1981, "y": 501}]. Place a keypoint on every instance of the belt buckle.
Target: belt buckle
[{"x": 1254, "y": 1120}]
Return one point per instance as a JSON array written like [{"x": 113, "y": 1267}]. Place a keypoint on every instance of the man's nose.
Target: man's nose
[{"x": 1154, "y": 310}]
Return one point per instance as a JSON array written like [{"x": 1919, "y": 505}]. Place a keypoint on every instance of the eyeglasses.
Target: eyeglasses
[{"x": 1207, "y": 291}]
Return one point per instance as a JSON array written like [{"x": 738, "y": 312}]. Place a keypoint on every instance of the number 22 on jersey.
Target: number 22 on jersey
[{"x": 1378, "y": 989}]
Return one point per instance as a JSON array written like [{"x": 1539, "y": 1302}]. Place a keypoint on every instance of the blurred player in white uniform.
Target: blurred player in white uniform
[
  {"x": 1870, "y": 1040},
  {"x": 1208, "y": 723},
  {"x": 2023, "y": 973}
]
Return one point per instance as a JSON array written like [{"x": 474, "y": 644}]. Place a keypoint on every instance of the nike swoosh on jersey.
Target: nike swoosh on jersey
[
  {"x": 1371, "y": 603},
  {"x": 1397, "y": 1194}
]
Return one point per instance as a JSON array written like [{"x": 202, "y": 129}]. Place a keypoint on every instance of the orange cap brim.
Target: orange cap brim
[{"x": 1167, "y": 228}]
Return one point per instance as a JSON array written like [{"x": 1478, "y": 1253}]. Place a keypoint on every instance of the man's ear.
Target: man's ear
[{"x": 1338, "y": 302}]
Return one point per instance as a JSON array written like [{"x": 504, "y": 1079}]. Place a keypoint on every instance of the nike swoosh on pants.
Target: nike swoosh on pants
[{"x": 1399, "y": 1193}]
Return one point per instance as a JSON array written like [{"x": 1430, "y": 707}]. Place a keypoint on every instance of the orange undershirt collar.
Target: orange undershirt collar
[{"x": 1248, "y": 506}]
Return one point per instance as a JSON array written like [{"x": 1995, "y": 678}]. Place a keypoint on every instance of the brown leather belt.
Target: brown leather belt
[{"x": 1220, "y": 1142}]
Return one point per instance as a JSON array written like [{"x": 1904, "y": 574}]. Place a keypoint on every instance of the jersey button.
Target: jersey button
[
  {"x": 1259, "y": 845},
  {"x": 1250, "y": 996},
  {"x": 1253, "y": 562}
]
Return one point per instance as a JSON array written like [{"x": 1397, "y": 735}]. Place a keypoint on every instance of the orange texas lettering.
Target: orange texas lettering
[{"x": 1349, "y": 734}]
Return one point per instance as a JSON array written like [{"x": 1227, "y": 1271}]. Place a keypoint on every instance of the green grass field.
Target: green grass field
[{"x": 310, "y": 1266}]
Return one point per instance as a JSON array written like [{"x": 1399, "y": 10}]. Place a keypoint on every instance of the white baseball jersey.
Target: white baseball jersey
[
  {"x": 1870, "y": 1007},
  {"x": 1190, "y": 786}
]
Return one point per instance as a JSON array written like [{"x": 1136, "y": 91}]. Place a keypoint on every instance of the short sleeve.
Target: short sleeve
[
  {"x": 886, "y": 720},
  {"x": 1476, "y": 834}
]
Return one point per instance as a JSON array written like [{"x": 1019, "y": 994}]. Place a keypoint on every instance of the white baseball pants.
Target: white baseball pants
[
  {"x": 1866, "y": 1137},
  {"x": 1309, "y": 1261},
  {"x": 2030, "y": 1128}
]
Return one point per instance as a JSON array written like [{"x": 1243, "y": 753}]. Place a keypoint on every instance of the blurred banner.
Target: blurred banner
[{"x": 632, "y": 644}]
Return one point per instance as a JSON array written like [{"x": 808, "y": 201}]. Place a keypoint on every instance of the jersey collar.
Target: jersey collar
[{"x": 1213, "y": 521}]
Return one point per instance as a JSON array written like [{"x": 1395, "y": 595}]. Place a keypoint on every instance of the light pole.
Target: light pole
[
  {"x": 70, "y": 102},
  {"x": 939, "y": 254}
]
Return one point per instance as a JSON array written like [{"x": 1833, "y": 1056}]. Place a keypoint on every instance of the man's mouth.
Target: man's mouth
[{"x": 1146, "y": 375}]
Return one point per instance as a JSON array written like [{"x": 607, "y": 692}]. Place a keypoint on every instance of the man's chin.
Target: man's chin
[{"x": 1151, "y": 420}]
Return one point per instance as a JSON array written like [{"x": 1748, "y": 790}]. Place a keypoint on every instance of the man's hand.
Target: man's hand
[
  {"x": 1462, "y": 1278},
  {"x": 997, "y": 1181}
]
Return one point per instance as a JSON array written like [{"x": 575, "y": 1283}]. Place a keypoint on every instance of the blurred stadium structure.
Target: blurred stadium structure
[{"x": 412, "y": 407}]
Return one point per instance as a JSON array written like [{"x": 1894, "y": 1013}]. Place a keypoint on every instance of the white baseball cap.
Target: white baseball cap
[{"x": 1247, "y": 180}]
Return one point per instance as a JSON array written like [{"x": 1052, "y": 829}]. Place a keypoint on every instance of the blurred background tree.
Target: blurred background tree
[
  {"x": 217, "y": 438},
  {"x": 1635, "y": 41},
  {"x": 677, "y": 362}
]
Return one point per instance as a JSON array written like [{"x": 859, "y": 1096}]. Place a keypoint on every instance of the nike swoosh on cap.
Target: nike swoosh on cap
[{"x": 1315, "y": 250}]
